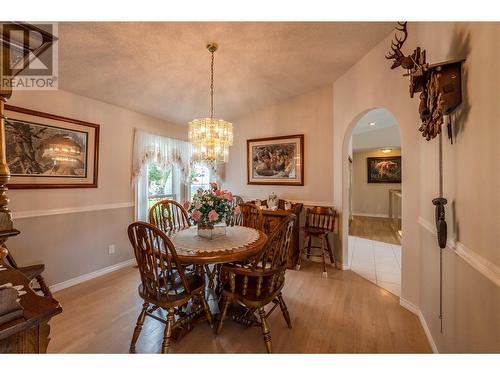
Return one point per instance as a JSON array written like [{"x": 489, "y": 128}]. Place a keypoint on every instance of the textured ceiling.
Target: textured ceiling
[{"x": 162, "y": 68}]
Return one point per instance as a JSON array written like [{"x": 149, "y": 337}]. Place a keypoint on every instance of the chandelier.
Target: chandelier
[{"x": 211, "y": 137}]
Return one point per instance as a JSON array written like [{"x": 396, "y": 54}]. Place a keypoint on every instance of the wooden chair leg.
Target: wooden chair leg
[
  {"x": 325, "y": 274},
  {"x": 138, "y": 327},
  {"x": 309, "y": 244},
  {"x": 208, "y": 314},
  {"x": 168, "y": 331},
  {"x": 265, "y": 329},
  {"x": 43, "y": 287},
  {"x": 330, "y": 250},
  {"x": 284, "y": 310},
  {"x": 225, "y": 307},
  {"x": 301, "y": 253}
]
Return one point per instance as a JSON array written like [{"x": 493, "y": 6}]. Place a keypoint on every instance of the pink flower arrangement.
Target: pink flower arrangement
[
  {"x": 213, "y": 216},
  {"x": 196, "y": 215},
  {"x": 211, "y": 206}
]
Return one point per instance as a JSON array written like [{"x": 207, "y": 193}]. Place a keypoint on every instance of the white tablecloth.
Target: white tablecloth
[{"x": 188, "y": 242}]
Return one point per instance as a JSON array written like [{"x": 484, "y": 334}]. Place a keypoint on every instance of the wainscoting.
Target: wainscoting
[{"x": 73, "y": 242}]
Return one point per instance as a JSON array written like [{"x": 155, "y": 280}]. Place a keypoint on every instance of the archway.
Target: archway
[{"x": 371, "y": 220}]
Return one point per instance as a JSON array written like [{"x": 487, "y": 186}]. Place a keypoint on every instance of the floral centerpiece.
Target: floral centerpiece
[{"x": 210, "y": 207}]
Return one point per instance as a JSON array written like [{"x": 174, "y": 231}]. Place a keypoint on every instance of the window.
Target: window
[
  {"x": 199, "y": 177},
  {"x": 160, "y": 184}
]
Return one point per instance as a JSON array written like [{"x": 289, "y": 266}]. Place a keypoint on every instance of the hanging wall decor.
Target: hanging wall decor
[
  {"x": 440, "y": 88},
  {"x": 439, "y": 85},
  {"x": 45, "y": 151}
]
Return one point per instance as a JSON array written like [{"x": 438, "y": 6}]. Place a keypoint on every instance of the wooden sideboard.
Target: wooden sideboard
[
  {"x": 28, "y": 333},
  {"x": 272, "y": 218}
]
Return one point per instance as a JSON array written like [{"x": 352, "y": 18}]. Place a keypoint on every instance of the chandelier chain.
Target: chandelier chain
[{"x": 212, "y": 88}]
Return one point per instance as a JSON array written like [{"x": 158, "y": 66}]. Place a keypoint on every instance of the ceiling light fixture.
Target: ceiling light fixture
[
  {"x": 371, "y": 123},
  {"x": 211, "y": 137}
]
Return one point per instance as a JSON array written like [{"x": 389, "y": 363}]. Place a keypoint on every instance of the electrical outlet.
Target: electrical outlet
[{"x": 111, "y": 249}]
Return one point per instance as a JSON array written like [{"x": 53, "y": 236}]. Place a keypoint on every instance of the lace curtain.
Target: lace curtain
[{"x": 167, "y": 152}]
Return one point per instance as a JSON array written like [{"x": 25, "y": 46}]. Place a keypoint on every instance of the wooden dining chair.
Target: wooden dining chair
[
  {"x": 251, "y": 216},
  {"x": 320, "y": 221},
  {"x": 236, "y": 219},
  {"x": 165, "y": 283},
  {"x": 169, "y": 216},
  {"x": 260, "y": 283},
  {"x": 32, "y": 273}
]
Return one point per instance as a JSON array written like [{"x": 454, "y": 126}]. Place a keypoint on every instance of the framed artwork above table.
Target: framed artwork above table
[
  {"x": 49, "y": 151},
  {"x": 276, "y": 160}
]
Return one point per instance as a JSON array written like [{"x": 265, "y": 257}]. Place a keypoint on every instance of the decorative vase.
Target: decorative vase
[
  {"x": 211, "y": 231},
  {"x": 272, "y": 200}
]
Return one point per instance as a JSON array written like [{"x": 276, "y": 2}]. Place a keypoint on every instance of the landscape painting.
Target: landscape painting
[
  {"x": 49, "y": 151},
  {"x": 384, "y": 169},
  {"x": 276, "y": 161}
]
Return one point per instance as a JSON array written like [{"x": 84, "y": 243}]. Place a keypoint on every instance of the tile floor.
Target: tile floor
[{"x": 378, "y": 262}]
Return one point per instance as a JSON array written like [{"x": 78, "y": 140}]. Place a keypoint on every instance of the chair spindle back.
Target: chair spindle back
[
  {"x": 236, "y": 219},
  {"x": 251, "y": 216},
  {"x": 158, "y": 263},
  {"x": 322, "y": 218},
  {"x": 266, "y": 274},
  {"x": 169, "y": 216}
]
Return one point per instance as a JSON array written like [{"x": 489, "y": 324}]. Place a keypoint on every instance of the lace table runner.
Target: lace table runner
[{"x": 188, "y": 242}]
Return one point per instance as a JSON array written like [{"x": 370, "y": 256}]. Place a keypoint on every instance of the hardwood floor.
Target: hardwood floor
[
  {"x": 373, "y": 228},
  {"x": 341, "y": 314}
]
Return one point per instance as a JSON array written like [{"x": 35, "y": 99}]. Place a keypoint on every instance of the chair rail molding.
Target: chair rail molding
[
  {"x": 70, "y": 210},
  {"x": 484, "y": 266}
]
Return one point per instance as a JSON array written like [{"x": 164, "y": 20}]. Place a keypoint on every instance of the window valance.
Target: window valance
[{"x": 167, "y": 152}]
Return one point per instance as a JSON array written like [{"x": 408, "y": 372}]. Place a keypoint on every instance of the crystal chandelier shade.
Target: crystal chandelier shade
[
  {"x": 209, "y": 136},
  {"x": 211, "y": 139}
]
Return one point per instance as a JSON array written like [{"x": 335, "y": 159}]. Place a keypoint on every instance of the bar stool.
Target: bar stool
[{"x": 320, "y": 221}]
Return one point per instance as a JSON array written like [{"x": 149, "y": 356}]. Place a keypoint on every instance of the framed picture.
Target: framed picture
[
  {"x": 46, "y": 151},
  {"x": 276, "y": 160},
  {"x": 384, "y": 169}
]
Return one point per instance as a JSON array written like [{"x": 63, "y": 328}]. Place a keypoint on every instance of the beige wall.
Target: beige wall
[
  {"x": 76, "y": 243},
  {"x": 471, "y": 289},
  {"x": 309, "y": 114},
  {"x": 370, "y": 199}
]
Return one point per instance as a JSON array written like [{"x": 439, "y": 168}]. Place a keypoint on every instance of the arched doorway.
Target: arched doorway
[{"x": 373, "y": 196}]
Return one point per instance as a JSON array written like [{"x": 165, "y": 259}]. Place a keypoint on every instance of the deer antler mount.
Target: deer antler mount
[{"x": 439, "y": 84}]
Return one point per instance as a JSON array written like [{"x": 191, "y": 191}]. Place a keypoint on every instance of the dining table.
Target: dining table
[{"x": 238, "y": 244}]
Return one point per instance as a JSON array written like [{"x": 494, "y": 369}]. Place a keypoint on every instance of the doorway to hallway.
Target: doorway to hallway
[{"x": 375, "y": 194}]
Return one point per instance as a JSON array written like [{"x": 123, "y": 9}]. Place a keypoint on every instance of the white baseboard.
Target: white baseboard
[
  {"x": 415, "y": 310},
  {"x": 370, "y": 215},
  {"x": 92, "y": 275},
  {"x": 344, "y": 267}
]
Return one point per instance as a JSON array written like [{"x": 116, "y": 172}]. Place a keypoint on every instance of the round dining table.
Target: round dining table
[{"x": 238, "y": 244}]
